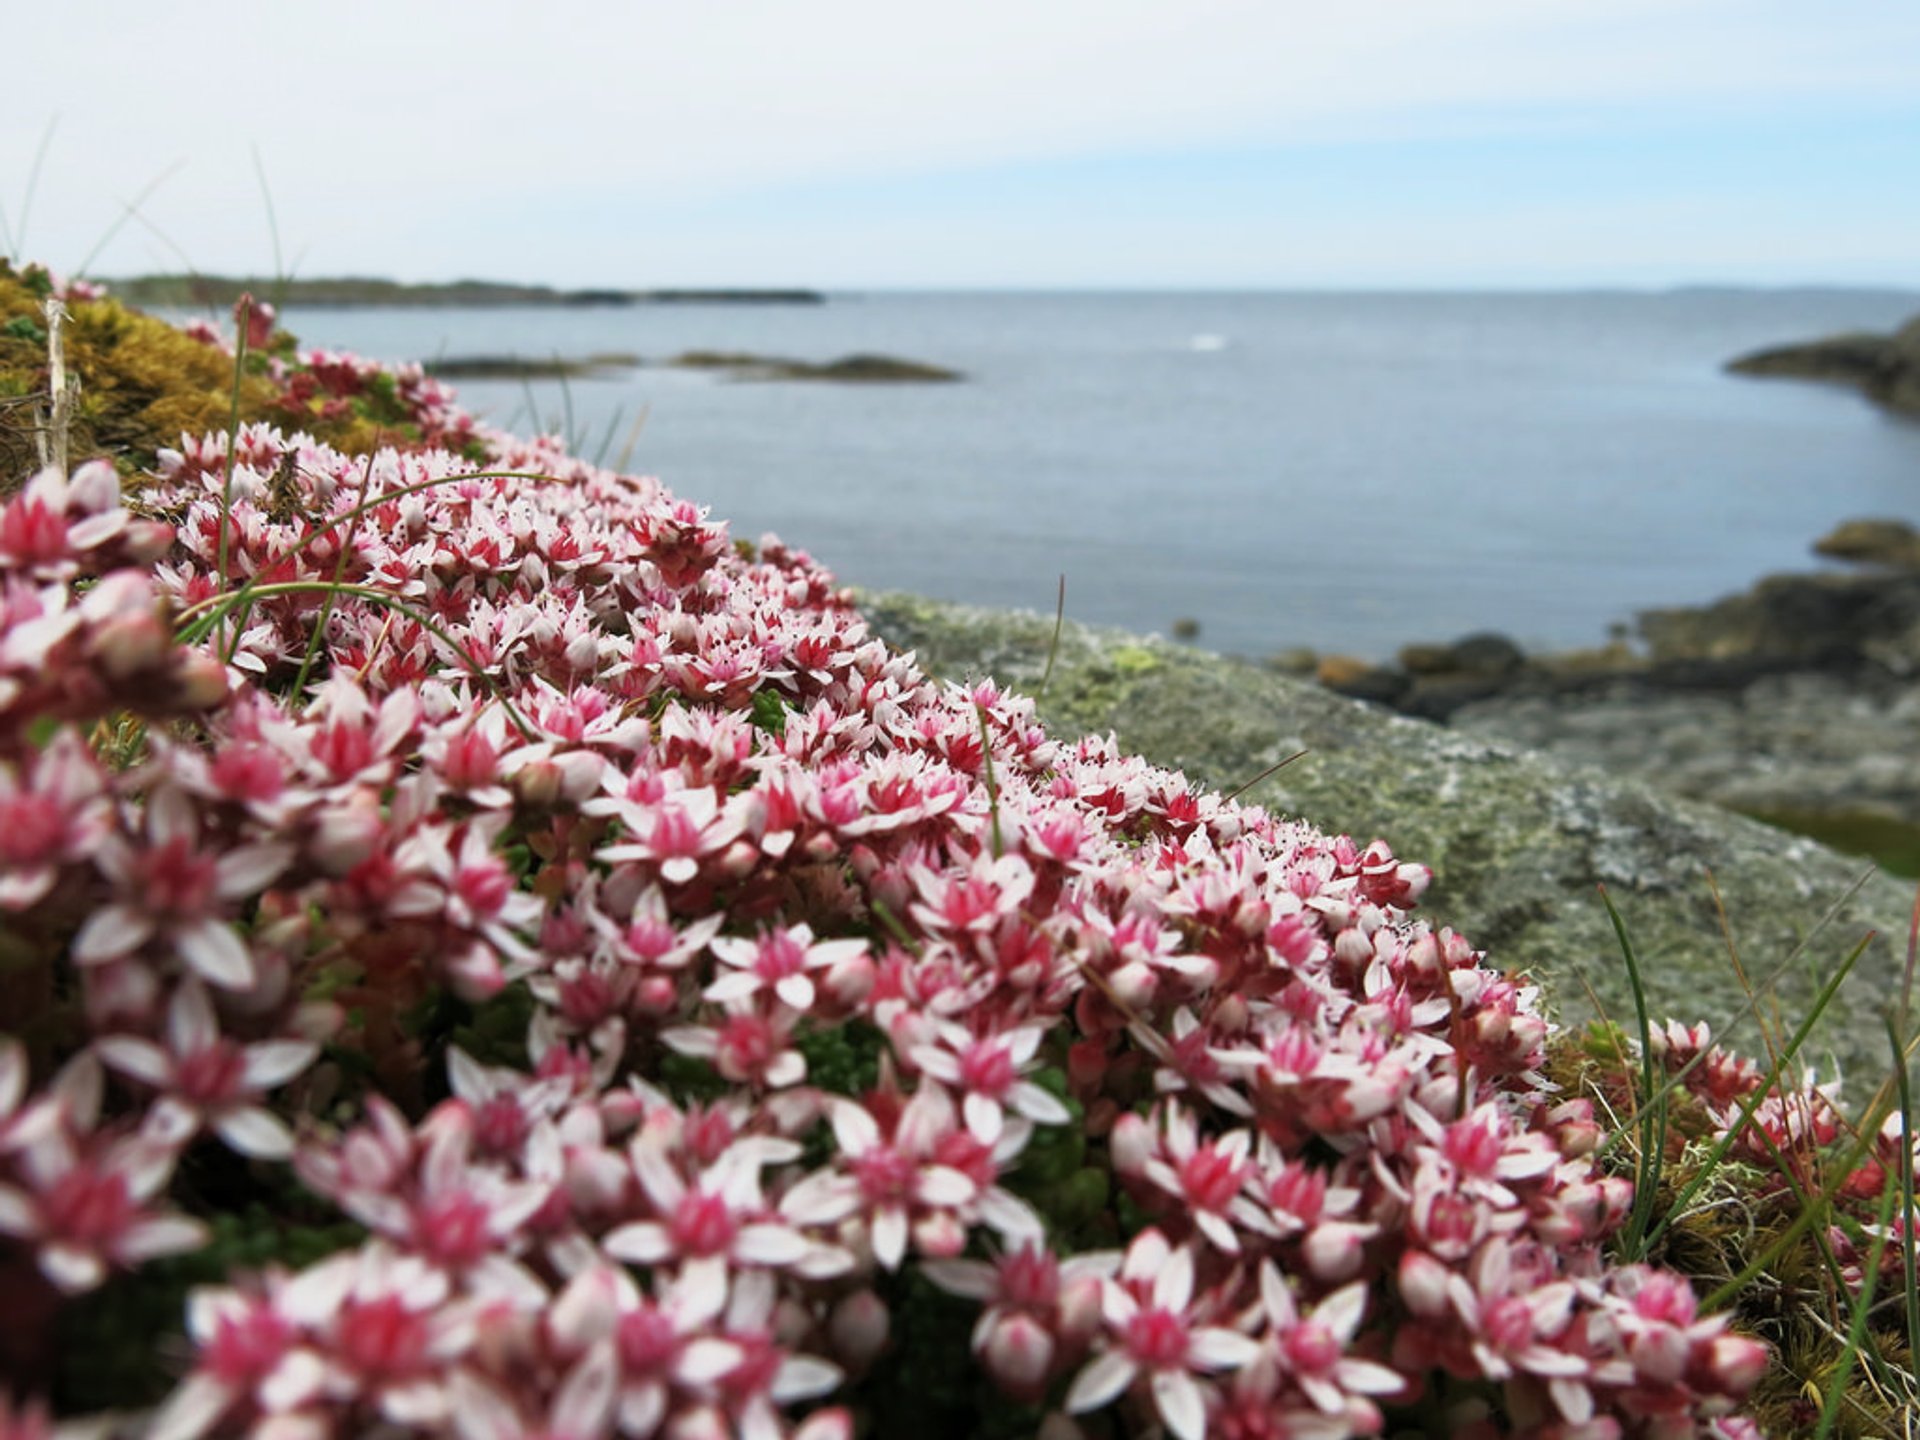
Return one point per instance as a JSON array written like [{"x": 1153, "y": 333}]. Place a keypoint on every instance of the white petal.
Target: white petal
[
  {"x": 1573, "y": 1398},
  {"x": 1041, "y": 1106},
  {"x": 802, "y": 1377},
  {"x": 705, "y": 1360},
  {"x": 854, "y": 1128},
  {"x": 1173, "y": 1286},
  {"x": 192, "y": 1024},
  {"x": 142, "y": 1059},
  {"x": 1364, "y": 1377},
  {"x": 250, "y": 869},
  {"x": 253, "y": 1131},
  {"x": 890, "y": 1237},
  {"x": 769, "y": 1245},
  {"x": 1215, "y": 1348},
  {"x": 969, "y": 1279},
  {"x": 162, "y": 1235},
  {"x": 110, "y": 933},
  {"x": 734, "y": 985},
  {"x": 984, "y": 1118},
  {"x": 1340, "y": 1312},
  {"x": 190, "y": 1411},
  {"x": 71, "y": 1269},
  {"x": 1104, "y": 1378},
  {"x": 274, "y": 1062},
  {"x": 17, "y": 1215},
  {"x": 1177, "y": 1398},
  {"x": 643, "y": 1243},
  {"x": 585, "y": 1402},
  {"x": 944, "y": 1186},
  {"x": 1216, "y": 1229},
  {"x": 212, "y": 949}
]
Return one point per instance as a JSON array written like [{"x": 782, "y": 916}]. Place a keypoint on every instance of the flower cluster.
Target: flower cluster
[{"x": 795, "y": 984}]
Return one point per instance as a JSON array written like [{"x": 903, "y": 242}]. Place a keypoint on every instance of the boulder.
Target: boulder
[{"x": 1518, "y": 843}]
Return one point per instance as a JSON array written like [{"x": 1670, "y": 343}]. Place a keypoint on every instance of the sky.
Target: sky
[{"x": 866, "y": 144}]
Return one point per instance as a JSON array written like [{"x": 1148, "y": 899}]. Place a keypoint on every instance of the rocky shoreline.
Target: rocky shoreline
[
  {"x": 1796, "y": 702},
  {"x": 1886, "y": 368}
]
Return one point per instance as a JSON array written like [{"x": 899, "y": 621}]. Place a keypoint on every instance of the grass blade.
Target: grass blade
[{"x": 1653, "y": 1109}]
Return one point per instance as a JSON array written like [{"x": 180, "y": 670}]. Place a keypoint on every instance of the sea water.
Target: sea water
[{"x": 1347, "y": 472}]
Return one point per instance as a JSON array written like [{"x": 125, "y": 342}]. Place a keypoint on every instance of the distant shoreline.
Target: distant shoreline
[{"x": 342, "y": 292}]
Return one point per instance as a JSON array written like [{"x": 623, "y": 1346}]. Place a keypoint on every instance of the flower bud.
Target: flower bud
[
  {"x": 1737, "y": 1362},
  {"x": 859, "y": 1329},
  {"x": 1018, "y": 1353},
  {"x": 1130, "y": 1145},
  {"x": 1423, "y": 1284}
]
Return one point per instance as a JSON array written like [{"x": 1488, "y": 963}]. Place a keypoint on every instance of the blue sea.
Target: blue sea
[{"x": 1348, "y": 472}]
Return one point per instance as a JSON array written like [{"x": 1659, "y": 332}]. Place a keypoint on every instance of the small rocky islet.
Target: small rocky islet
[
  {"x": 861, "y": 369},
  {"x": 1885, "y": 368}
]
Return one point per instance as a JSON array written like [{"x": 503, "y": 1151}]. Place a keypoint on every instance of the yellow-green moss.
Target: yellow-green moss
[{"x": 143, "y": 384}]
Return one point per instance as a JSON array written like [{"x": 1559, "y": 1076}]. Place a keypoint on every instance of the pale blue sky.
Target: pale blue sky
[{"x": 856, "y": 143}]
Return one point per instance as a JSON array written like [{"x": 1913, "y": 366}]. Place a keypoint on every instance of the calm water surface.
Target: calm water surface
[{"x": 1348, "y": 472}]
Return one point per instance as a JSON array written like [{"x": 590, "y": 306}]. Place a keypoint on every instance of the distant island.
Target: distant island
[
  {"x": 1886, "y": 368},
  {"x": 736, "y": 365},
  {"x": 181, "y": 292}
]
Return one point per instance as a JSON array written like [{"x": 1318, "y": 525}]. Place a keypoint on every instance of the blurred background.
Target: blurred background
[{"x": 1279, "y": 326}]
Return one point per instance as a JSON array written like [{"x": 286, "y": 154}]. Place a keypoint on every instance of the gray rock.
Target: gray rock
[
  {"x": 1816, "y": 746},
  {"x": 1794, "y": 622},
  {"x": 1517, "y": 842}
]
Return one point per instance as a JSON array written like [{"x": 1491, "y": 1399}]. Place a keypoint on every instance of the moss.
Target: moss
[
  {"x": 143, "y": 384},
  {"x": 1133, "y": 659}
]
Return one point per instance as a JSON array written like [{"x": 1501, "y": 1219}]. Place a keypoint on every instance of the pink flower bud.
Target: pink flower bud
[
  {"x": 1131, "y": 1145},
  {"x": 859, "y": 1329},
  {"x": 1333, "y": 1251},
  {"x": 1079, "y": 1310},
  {"x": 1423, "y": 1284},
  {"x": 1018, "y": 1353},
  {"x": 1737, "y": 1362}
]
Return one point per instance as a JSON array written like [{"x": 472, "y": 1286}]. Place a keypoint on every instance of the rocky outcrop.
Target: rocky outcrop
[
  {"x": 1884, "y": 367},
  {"x": 1518, "y": 842},
  {"x": 848, "y": 369},
  {"x": 529, "y": 367},
  {"x": 1872, "y": 542}
]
